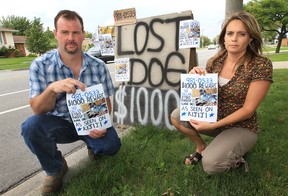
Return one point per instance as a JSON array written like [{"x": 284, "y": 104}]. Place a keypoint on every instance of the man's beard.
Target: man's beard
[{"x": 74, "y": 51}]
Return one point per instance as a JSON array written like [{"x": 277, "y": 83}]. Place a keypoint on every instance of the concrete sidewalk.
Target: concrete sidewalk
[
  {"x": 76, "y": 160},
  {"x": 280, "y": 65}
]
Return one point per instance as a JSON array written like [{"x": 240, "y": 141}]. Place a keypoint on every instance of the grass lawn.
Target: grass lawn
[
  {"x": 283, "y": 56},
  {"x": 272, "y": 48},
  {"x": 15, "y": 63},
  {"x": 150, "y": 161}
]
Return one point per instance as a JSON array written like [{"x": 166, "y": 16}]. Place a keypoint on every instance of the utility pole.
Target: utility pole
[
  {"x": 202, "y": 33},
  {"x": 233, "y": 6}
]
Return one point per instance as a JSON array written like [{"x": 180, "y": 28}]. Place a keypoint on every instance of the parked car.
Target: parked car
[
  {"x": 212, "y": 47},
  {"x": 97, "y": 53}
]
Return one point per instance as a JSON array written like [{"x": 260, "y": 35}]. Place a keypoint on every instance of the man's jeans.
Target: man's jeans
[{"x": 42, "y": 133}]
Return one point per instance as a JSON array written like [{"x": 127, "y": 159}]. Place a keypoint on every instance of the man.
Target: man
[{"x": 52, "y": 75}]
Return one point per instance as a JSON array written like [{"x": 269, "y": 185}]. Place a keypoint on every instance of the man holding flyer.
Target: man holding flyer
[{"x": 66, "y": 70}]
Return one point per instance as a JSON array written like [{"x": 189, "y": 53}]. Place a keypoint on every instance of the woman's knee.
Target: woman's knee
[
  {"x": 213, "y": 165},
  {"x": 174, "y": 122}
]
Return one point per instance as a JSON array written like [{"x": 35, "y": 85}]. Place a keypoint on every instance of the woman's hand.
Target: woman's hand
[
  {"x": 97, "y": 133},
  {"x": 198, "y": 70},
  {"x": 201, "y": 125}
]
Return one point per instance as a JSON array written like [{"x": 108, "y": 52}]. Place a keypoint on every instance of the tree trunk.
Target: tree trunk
[
  {"x": 280, "y": 37},
  {"x": 233, "y": 6}
]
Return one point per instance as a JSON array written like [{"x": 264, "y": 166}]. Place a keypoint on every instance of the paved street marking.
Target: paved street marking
[
  {"x": 5, "y": 94},
  {"x": 14, "y": 109}
]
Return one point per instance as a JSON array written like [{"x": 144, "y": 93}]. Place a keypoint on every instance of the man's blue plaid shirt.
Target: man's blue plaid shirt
[{"x": 49, "y": 68}]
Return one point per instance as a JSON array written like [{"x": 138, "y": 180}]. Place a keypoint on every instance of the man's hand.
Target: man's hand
[
  {"x": 45, "y": 102},
  {"x": 67, "y": 85},
  {"x": 97, "y": 133}
]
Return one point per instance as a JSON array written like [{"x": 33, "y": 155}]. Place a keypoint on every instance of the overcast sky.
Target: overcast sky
[{"x": 210, "y": 13}]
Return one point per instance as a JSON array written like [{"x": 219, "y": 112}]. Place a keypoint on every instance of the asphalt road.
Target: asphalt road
[{"x": 16, "y": 160}]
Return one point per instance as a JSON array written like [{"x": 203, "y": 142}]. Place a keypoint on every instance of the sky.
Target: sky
[{"x": 210, "y": 13}]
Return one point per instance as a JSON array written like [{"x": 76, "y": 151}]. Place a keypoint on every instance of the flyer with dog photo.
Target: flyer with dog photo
[
  {"x": 199, "y": 97},
  {"x": 189, "y": 34},
  {"x": 122, "y": 69},
  {"x": 88, "y": 109}
]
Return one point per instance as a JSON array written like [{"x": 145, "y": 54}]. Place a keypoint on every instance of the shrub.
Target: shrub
[
  {"x": 32, "y": 55},
  {"x": 9, "y": 52},
  {"x": 3, "y": 51}
]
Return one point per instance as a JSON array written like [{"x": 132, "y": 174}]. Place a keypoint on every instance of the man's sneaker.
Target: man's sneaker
[
  {"x": 91, "y": 155},
  {"x": 53, "y": 184}
]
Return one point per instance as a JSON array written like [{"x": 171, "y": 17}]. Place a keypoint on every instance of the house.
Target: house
[
  {"x": 9, "y": 41},
  {"x": 284, "y": 41},
  {"x": 6, "y": 37},
  {"x": 19, "y": 42}
]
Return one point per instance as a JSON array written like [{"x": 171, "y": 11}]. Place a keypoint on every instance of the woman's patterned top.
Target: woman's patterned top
[{"x": 232, "y": 95}]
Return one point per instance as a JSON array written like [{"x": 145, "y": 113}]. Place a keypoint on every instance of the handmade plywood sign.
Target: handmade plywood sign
[
  {"x": 125, "y": 16},
  {"x": 155, "y": 65}
]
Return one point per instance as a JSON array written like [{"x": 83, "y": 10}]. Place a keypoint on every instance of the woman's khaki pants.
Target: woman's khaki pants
[{"x": 226, "y": 149}]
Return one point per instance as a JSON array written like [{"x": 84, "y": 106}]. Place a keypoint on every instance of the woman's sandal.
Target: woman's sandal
[{"x": 194, "y": 158}]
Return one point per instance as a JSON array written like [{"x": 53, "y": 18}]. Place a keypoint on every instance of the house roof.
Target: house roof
[
  {"x": 8, "y": 29},
  {"x": 19, "y": 39}
]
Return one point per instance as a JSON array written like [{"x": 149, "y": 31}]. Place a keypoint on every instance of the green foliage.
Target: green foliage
[
  {"x": 269, "y": 36},
  {"x": 17, "y": 53},
  {"x": 17, "y": 23},
  {"x": 6, "y": 52},
  {"x": 32, "y": 55},
  {"x": 272, "y": 16},
  {"x": 49, "y": 34},
  {"x": 3, "y": 51},
  {"x": 204, "y": 41},
  {"x": 37, "y": 40},
  {"x": 88, "y": 35},
  {"x": 53, "y": 41}
]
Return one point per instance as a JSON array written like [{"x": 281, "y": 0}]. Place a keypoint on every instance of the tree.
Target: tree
[
  {"x": 216, "y": 39},
  {"x": 272, "y": 16},
  {"x": 88, "y": 34},
  {"x": 37, "y": 40},
  {"x": 53, "y": 41},
  {"x": 269, "y": 36},
  {"x": 50, "y": 33},
  {"x": 204, "y": 41},
  {"x": 15, "y": 22}
]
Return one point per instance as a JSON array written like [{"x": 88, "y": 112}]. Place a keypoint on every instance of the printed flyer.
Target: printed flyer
[
  {"x": 106, "y": 44},
  {"x": 189, "y": 34},
  {"x": 88, "y": 109},
  {"x": 199, "y": 97},
  {"x": 122, "y": 67}
]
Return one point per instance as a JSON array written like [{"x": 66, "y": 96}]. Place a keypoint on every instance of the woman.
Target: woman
[{"x": 244, "y": 80}]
